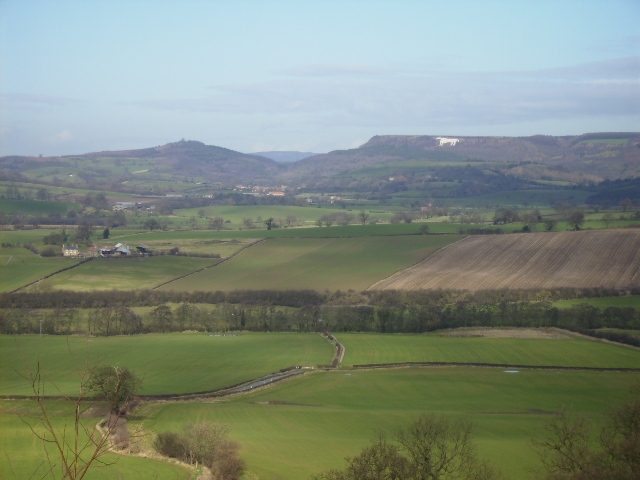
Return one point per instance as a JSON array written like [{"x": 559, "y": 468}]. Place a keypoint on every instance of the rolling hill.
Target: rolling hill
[{"x": 590, "y": 157}]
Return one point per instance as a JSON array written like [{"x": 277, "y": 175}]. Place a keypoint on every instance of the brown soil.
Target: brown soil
[
  {"x": 505, "y": 333},
  {"x": 586, "y": 259}
]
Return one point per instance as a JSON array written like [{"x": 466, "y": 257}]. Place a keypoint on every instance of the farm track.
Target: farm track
[
  {"x": 586, "y": 259},
  {"x": 209, "y": 266}
]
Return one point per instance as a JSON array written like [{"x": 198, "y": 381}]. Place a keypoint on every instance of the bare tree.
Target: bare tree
[
  {"x": 363, "y": 217},
  {"x": 550, "y": 224},
  {"x": 71, "y": 450},
  {"x": 567, "y": 451},
  {"x": 217, "y": 223},
  {"x": 247, "y": 223},
  {"x": 564, "y": 451},
  {"x": 626, "y": 204},
  {"x": 204, "y": 443},
  {"x": 431, "y": 448},
  {"x": 575, "y": 218}
]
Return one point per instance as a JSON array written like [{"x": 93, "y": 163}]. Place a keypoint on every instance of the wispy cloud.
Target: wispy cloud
[
  {"x": 334, "y": 70},
  {"x": 38, "y": 99},
  {"x": 412, "y": 99},
  {"x": 62, "y": 137}
]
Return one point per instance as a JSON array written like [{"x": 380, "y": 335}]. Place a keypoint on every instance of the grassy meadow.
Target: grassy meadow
[
  {"x": 319, "y": 264},
  {"x": 25, "y": 457},
  {"x": 366, "y": 348},
  {"x": 42, "y": 207},
  {"x": 18, "y": 237},
  {"x": 127, "y": 273},
  {"x": 170, "y": 363},
  {"x": 305, "y": 425},
  {"x": 25, "y": 267},
  {"x": 301, "y": 426},
  {"x": 306, "y": 214}
]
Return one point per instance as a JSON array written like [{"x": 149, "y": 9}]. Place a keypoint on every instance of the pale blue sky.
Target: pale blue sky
[{"x": 315, "y": 76}]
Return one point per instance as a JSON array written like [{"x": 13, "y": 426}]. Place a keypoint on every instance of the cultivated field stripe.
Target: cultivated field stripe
[{"x": 525, "y": 261}]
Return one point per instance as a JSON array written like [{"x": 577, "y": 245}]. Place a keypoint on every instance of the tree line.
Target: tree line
[
  {"x": 296, "y": 298},
  {"x": 121, "y": 320}
]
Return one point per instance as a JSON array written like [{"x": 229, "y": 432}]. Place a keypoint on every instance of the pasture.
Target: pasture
[
  {"x": 305, "y": 425},
  {"x": 18, "y": 237},
  {"x": 556, "y": 348},
  {"x": 24, "y": 457},
  {"x": 127, "y": 273},
  {"x": 306, "y": 214},
  {"x": 318, "y": 264},
  {"x": 25, "y": 267},
  {"x": 170, "y": 363},
  {"x": 609, "y": 258},
  {"x": 535, "y": 197},
  {"x": 35, "y": 206}
]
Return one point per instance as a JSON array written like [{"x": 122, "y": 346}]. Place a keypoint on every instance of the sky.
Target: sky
[{"x": 78, "y": 77}]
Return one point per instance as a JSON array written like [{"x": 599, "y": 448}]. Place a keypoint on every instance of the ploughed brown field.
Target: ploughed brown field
[{"x": 528, "y": 261}]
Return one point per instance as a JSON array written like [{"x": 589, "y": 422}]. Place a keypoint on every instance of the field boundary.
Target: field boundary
[
  {"x": 81, "y": 262},
  {"x": 419, "y": 261},
  {"x": 371, "y": 366},
  {"x": 209, "y": 266},
  {"x": 242, "y": 387},
  {"x": 295, "y": 371}
]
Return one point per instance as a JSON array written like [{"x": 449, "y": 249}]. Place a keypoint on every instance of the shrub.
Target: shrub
[
  {"x": 169, "y": 444},
  {"x": 48, "y": 252},
  {"x": 205, "y": 443}
]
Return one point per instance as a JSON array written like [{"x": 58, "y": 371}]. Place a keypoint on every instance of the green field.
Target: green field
[
  {"x": 170, "y": 363},
  {"x": 301, "y": 426},
  {"x": 127, "y": 273},
  {"x": 34, "y": 187},
  {"x": 533, "y": 198},
  {"x": 307, "y": 232},
  {"x": 23, "y": 456},
  {"x": 19, "y": 270},
  {"x": 317, "y": 420},
  {"x": 307, "y": 214},
  {"x": 366, "y": 348},
  {"x": 18, "y": 237},
  {"x": 35, "y": 206},
  {"x": 319, "y": 264}
]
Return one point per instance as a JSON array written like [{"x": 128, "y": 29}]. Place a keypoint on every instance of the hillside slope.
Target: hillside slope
[
  {"x": 593, "y": 157},
  {"x": 180, "y": 160}
]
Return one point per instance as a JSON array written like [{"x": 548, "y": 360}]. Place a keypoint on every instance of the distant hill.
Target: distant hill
[
  {"x": 590, "y": 157},
  {"x": 387, "y": 164},
  {"x": 182, "y": 160},
  {"x": 285, "y": 157},
  {"x": 189, "y": 157}
]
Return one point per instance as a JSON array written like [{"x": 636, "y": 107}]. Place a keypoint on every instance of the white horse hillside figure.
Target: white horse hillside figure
[{"x": 444, "y": 141}]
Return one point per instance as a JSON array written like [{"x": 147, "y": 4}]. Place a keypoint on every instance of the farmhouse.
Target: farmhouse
[
  {"x": 70, "y": 250},
  {"x": 119, "y": 206},
  {"x": 118, "y": 249}
]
